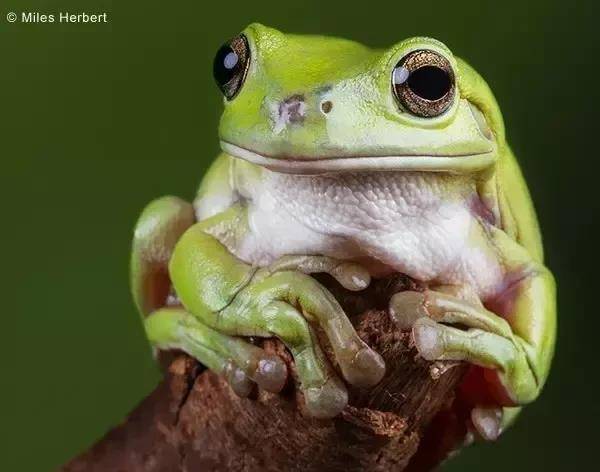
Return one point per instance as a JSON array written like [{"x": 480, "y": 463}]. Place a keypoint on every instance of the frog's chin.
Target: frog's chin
[{"x": 465, "y": 163}]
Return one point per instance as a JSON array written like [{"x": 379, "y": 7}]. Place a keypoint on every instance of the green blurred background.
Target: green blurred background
[{"x": 97, "y": 120}]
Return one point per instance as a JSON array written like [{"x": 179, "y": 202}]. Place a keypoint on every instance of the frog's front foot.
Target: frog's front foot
[
  {"x": 283, "y": 301},
  {"x": 446, "y": 327}
]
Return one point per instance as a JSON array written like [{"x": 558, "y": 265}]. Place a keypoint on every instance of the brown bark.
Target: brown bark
[{"x": 194, "y": 422}]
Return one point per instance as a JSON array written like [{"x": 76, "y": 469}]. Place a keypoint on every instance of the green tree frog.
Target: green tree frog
[{"x": 341, "y": 159}]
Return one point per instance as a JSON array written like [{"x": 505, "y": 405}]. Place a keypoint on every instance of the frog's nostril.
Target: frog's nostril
[{"x": 326, "y": 106}]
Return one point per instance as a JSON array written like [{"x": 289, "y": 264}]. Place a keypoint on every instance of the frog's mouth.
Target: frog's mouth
[{"x": 463, "y": 163}]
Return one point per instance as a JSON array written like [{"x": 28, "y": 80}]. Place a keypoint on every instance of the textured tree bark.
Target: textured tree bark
[{"x": 194, "y": 422}]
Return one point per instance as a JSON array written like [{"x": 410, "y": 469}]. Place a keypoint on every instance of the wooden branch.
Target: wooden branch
[{"x": 194, "y": 422}]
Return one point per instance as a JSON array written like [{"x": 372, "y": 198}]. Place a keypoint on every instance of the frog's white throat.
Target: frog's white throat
[
  {"x": 423, "y": 224},
  {"x": 455, "y": 164}
]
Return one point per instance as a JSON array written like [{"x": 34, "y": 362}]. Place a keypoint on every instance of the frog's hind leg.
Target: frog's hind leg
[{"x": 239, "y": 361}]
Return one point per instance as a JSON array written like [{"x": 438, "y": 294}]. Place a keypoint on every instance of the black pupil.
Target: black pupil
[
  {"x": 430, "y": 82},
  {"x": 225, "y": 65}
]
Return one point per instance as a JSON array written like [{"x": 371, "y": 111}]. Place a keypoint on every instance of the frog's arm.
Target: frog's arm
[
  {"x": 216, "y": 191},
  {"x": 512, "y": 336},
  {"x": 169, "y": 325},
  {"x": 510, "y": 340},
  {"x": 160, "y": 226}
]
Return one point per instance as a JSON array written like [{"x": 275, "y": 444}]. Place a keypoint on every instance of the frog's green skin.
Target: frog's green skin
[{"x": 358, "y": 187}]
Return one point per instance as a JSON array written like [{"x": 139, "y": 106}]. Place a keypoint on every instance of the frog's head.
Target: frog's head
[{"x": 311, "y": 104}]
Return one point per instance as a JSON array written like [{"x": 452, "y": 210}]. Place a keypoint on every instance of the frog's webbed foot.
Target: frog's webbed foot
[
  {"x": 446, "y": 327},
  {"x": 240, "y": 362}
]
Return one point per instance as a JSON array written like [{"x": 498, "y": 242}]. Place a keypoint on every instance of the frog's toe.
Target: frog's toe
[
  {"x": 407, "y": 307},
  {"x": 352, "y": 276},
  {"x": 242, "y": 363},
  {"x": 429, "y": 339},
  {"x": 436, "y": 341},
  {"x": 366, "y": 369},
  {"x": 239, "y": 382},
  {"x": 487, "y": 422},
  {"x": 271, "y": 373},
  {"x": 327, "y": 400}
]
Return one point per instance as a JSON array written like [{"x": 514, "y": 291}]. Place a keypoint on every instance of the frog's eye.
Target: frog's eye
[
  {"x": 423, "y": 83},
  {"x": 231, "y": 65}
]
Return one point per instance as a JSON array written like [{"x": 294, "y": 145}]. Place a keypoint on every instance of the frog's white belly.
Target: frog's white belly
[{"x": 420, "y": 224}]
